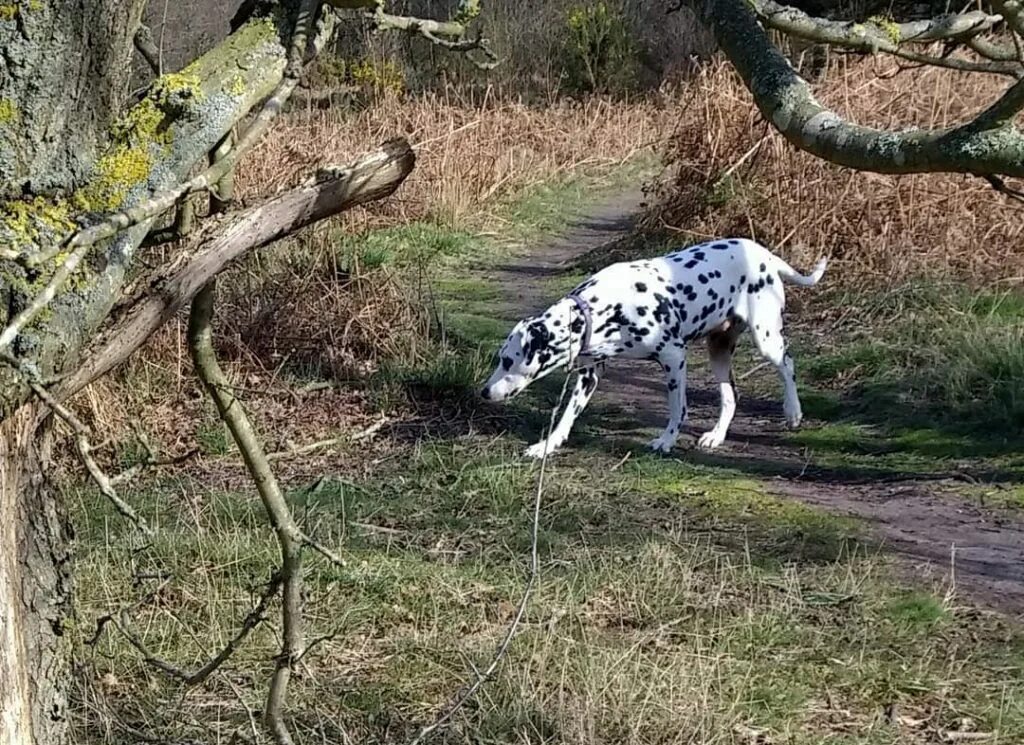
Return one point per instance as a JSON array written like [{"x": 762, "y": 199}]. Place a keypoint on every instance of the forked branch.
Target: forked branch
[
  {"x": 878, "y": 35},
  {"x": 988, "y": 145}
]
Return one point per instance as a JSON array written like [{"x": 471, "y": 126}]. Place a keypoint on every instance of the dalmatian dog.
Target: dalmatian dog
[{"x": 652, "y": 310}]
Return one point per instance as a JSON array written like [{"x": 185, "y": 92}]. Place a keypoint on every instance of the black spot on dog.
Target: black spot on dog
[
  {"x": 719, "y": 246},
  {"x": 770, "y": 279},
  {"x": 763, "y": 267},
  {"x": 690, "y": 264},
  {"x": 641, "y": 312},
  {"x": 702, "y": 278},
  {"x": 640, "y": 287}
]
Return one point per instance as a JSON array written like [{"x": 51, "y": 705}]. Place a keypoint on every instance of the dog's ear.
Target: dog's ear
[{"x": 538, "y": 337}]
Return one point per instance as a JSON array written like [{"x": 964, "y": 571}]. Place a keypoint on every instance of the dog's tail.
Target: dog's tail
[{"x": 790, "y": 274}]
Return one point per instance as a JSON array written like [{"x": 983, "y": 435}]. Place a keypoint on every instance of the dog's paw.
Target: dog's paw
[
  {"x": 794, "y": 417},
  {"x": 662, "y": 444},
  {"x": 710, "y": 440},
  {"x": 540, "y": 449}
]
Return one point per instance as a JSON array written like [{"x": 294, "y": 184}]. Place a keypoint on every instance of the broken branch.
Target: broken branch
[{"x": 372, "y": 176}]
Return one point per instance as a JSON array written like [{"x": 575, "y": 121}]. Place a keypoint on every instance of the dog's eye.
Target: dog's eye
[{"x": 506, "y": 362}]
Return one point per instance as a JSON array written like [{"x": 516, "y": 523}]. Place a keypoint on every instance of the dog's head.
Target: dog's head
[{"x": 535, "y": 347}]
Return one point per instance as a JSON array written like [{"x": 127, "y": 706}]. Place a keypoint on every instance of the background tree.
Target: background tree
[{"x": 87, "y": 169}]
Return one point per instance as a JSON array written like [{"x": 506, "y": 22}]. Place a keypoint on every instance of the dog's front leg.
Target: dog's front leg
[
  {"x": 586, "y": 384},
  {"x": 675, "y": 379}
]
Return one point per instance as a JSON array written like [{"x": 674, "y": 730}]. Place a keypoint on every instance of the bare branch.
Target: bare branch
[
  {"x": 366, "y": 434},
  {"x": 451, "y": 35},
  {"x": 144, "y": 44},
  {"x": 985, "y": 146},
  {"x": 999, "y": 185},
  {"x": 85, "y": 448},
  {"x": 372, "y": 176},
  {"x": 990, "y": 50},
  {"x": 106, "y": 486},
  {"x": 290, "y": 538}
]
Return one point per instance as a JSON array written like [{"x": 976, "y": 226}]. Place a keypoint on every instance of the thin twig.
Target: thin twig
[
  {"x": 251, "y": 621},
  {"x": 321, "y": 444}
]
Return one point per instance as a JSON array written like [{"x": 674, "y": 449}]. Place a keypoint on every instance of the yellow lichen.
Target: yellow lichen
[
  {"x": 8, "y": 111},
  {"x": 35, "y": 5},
  {"x": 889, "y": 26},
  {"x": 177, "y": 89},
  {"x": 237, "y": 86},
  {"x": 8, "y": 11},
  {"x": 384, "y": 77},
  {"x": 468, "y": 10},
  {"x": 26, "y": 221},
  {"x": 116, "y": 174}
]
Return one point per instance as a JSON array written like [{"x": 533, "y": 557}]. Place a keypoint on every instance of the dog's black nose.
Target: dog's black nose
[{"x": 485, "y": 393}]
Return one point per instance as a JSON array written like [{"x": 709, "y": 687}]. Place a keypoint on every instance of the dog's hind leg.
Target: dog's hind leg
[
  {"x": 767, "y": 333},
  {"x": 583, "y": 389},
  {"x": 721, "y": 346},
  {"x": 674, "y": 364}
]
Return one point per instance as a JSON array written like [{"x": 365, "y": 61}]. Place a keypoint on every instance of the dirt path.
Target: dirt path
[{"x": 920, "y": 520}]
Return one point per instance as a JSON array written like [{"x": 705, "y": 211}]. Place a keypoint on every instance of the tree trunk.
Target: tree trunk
[
  {"x": 64, "y": 82},
  {"x": 35, "y": 589},
  {"x": 64, "y": 69}
]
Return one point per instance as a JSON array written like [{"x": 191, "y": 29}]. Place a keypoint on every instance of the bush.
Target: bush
[{"x": 600, "y": 54}]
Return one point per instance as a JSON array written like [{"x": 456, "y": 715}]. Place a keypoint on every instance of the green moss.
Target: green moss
[
  {"x": 8, "y": 111},
  {"x": 8, "y": 11}
]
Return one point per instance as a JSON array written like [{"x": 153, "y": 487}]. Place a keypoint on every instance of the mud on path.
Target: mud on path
[{"x": 920, "y": 519}]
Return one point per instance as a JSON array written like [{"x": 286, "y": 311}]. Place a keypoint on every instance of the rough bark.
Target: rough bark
[
  {"x": 155, "y": 146},
  {"x": 35, "y": 590},
  {"x": 987, "y": 146},
  {"x": 64, "y": 67}
]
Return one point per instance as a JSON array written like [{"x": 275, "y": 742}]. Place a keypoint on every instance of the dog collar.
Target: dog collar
[{"x": 588, "y": 322}]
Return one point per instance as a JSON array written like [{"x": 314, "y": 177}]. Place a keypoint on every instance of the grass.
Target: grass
[{"x": 687, "y": 612}]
